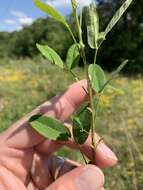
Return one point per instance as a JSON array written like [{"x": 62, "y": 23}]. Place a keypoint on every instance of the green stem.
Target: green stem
[
  {"x": 93, "y": 119},
  {"x": 78, "y": 24},
  {"x": 93, "y": 108},
  {"x": 95, "y": 56},
  {"x": 89, "y": 85},
  {"x": 83, "y": 55},
  {"x": 93, "y": 111},
  {"x": 84, "y": 158},
  {"x": 74, "y": 75},
  {"x": 90, "y": 92}
]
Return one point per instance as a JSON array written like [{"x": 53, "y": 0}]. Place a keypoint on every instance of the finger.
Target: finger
[
  {"x": 82, "y": 178},
  {"x": 45, "y": 170},
  {"x": 105, "y": 157},
  {"x": 9, "y": 181},
  {"x": 61, "y": 107}
]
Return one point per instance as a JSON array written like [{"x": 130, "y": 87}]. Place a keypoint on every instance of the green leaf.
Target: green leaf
[
  {"x": 51, "y": 55},
  {"x": 118, "y": 70},
  {"x": 50, "y": 11},
  {"x": 92, "y": 22},
  {"x": 82, "y": 124},
  {"x": 73, "y": 56},
  {"x": 117, "y": 16},
  {"x": 97, "y": 77},
  {"x": 82, "y": 108},
  {"x": 50, "y": 128},
  {"x": 114, "y": 74}
]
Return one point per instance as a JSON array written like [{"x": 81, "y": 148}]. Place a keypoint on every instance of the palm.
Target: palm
[{"x": 25, "y": 169}]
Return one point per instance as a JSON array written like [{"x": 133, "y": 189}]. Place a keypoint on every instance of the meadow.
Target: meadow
[{"x": 24, "y": 84}]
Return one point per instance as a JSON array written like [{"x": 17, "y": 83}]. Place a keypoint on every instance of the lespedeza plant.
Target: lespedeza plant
[{"x": 84, "y": 119}]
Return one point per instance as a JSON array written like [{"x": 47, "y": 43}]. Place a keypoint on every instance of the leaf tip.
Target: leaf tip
[
  {"x": 34, "y": 117},
  {"x": 38, "y": 45}
]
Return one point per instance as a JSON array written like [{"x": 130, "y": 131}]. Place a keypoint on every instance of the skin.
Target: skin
[{"x": 27, "y": 161}]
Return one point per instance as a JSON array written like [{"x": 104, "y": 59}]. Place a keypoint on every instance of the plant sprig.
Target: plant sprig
[{"x": 84, "y": 119}]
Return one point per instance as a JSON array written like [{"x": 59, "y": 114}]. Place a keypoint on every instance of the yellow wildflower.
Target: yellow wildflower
[
  {"x": 121, "y": 81},
  {"x": 105, "y": 100},
  {"x": 11, "y": 76},
  {"x": 131, "y": 123}
]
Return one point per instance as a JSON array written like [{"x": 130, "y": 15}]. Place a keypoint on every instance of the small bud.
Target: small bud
[{"x": 74, "y": 4}]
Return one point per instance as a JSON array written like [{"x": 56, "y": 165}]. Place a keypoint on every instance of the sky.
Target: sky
[{"x": 16, "y": 13}]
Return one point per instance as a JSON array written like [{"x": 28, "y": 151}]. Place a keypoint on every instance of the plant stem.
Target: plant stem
[
  {"x": 78, "y": 27},
  {"x": 93, "y": 119},
  {"x": 84, "y": 158},
  {"x": 90, "y": 92},
  {"x": 95, "y": 56},
  {"x": 93, "y": 112},
  {"x": 78, "y": 24},
  {"x": 74, "y": 75}
]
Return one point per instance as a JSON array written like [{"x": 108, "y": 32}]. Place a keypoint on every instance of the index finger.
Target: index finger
[{"x": 21, "y": 135}]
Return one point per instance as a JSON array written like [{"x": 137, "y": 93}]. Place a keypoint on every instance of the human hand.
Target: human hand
[{"x": 26, "y": 160}]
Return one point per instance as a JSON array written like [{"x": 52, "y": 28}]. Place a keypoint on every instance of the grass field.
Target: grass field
[{"x": 24, "y": 84}]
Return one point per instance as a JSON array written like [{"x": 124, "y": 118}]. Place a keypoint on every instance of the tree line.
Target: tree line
[{"x": 124, "y": 42}]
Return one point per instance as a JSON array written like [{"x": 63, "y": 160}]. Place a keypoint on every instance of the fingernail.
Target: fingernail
[
  {"x": 107, "y": 151},
  {"x": 91, "y": 179}
]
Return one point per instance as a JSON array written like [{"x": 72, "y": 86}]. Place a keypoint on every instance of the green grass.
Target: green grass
[{"x": 24, "y": 84}]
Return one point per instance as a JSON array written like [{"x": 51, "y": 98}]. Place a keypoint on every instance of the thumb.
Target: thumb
[{"x": 87, "y": 177}]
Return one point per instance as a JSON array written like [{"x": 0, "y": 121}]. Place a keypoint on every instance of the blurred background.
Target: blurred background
[{"x": 26, "y": 79}]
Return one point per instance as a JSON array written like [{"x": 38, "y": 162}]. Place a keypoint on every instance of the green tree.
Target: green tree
[
  {"x": 124, "y": 42},
  {"x": 43, "y": 31}
]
